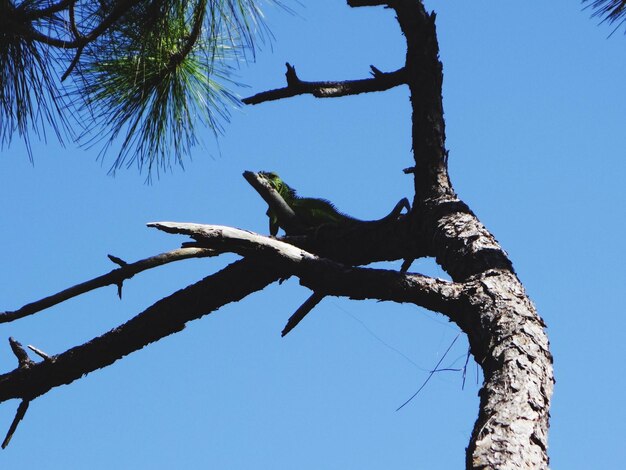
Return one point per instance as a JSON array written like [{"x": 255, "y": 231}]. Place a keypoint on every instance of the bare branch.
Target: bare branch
[
  {"x": 165, "y": 317},
  {"x": 368, "y": 3},
  {"x": 40, "y": 353},
  {"x": 379, "y": 82},
  {"x": 229, "y": 239},
  {"x": 117, "y": 276},
  {"x": 19, "y": 415},
  {"x": 302, "y": 311},
  {"x": 236, "y": 281},
  {"x": 324, "y": 276}
]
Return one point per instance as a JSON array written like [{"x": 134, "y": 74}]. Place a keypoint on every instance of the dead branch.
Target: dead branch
[
  {"x": 40, "y": 353},
  {"x": 325, "y": 276},
  {"x": 116, "y": 276},
  {"x": 236, "y": 281},
  {"x": 368, "y": 3},
  {"x": 308, "y": 305},
  {"x": 380, "y": 81},
  {"x": 167, "y": 316},
  {"x": 19, "y": 415},
  {"x": 22, "y": 356},
  {"x": 234, "y": 240}
]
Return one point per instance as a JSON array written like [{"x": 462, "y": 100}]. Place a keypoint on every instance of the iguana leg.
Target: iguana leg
[
  {"x": 402, "y": 204},
  {"x": 397, "y": 210},
  {"x": 406, "y": 264}
]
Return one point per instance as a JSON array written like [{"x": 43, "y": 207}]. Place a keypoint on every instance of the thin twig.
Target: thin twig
[
  {"x": 432, "y": 372},
  {"x": 116, "y": 276},
  {"x": 79, "y": 37},
  {"x": 469, "y": 351},
  {"x": 167, "y": 316},
  {"x": 40, "y": 353}
]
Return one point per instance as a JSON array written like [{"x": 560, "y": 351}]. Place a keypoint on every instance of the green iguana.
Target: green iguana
[
  {"x": 311, "y": 214},
  {"x": 316, "y": 212}
]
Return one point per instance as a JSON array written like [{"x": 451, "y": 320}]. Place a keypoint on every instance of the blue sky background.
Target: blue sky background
[{"x": 535, "y": 109}]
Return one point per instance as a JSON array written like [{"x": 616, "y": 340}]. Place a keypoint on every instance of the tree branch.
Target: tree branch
[
  {"x": 36, "y": 13},
  {"x": 165, "y": 317},
  {"x": 425, "y": 80},
  {"x": 327, "y": 277},
  {"x": 308, "y": 305},
  {"x": 121, "y": 7},
  {"x": 379, "y": 82},
  {"x": 369, "y": 3},
  {"x": 236, "y": 281},
  {"x": 116, "y": 276},
  {"x": 19, "y": 415}
]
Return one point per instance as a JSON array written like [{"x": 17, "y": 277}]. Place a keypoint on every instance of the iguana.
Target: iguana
[{"x": 313, "y": 213}]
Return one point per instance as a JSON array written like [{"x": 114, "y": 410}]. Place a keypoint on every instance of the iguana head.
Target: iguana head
[{"x": 285, "y": 191}]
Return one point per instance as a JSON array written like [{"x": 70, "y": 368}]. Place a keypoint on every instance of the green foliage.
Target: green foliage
[
  {"x": 613, "y": 11},
  {"x": 144, "y": 73},
  {"x": 29, "y": 98},
  {"x": 155, "y": 81}
]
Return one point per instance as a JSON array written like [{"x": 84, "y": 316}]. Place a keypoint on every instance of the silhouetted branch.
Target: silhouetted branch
[
  {"x": 117, "y": 276},
  {"x": 369, "y": 3},
  {"x": 19, "y": 415},
  {"x": 19, "y": 351},
  {"x": 325, "y": 276},
  {"x": 165, "y": 317},
  {"x": 379, "y": 82},
  {"x": 308, "y": 305}
]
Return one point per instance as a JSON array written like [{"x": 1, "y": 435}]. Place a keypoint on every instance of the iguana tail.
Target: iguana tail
[{"x": 396, "y": 211}]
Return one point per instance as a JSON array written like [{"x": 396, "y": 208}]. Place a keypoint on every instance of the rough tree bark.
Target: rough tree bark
[{"x": 485, "y": 298}]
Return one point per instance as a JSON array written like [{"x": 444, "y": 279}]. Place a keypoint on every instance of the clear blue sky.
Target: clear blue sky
[{"x": 535, "y": 108}]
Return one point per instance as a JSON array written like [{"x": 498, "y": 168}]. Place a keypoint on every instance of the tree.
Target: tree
[{"x": 455, "y": 252}]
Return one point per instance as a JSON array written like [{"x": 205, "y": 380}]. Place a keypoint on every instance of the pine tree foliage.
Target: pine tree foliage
[
  {"x": 613, "y": 11},
  {"x": 138, "y": 76}
]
